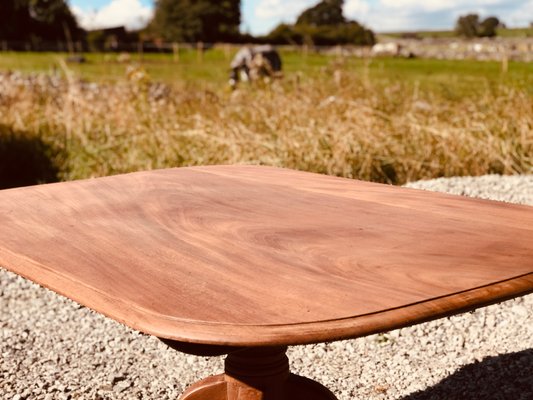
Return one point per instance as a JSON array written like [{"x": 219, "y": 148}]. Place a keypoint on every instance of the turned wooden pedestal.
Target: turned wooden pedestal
[{"x": 260, "y": 373}]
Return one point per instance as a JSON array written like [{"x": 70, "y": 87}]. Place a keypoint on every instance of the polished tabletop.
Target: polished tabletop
[{"x": 252, "y": 256}]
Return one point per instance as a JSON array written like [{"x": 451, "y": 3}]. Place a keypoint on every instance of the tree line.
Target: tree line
[
  {"x": 37, "y": 20},
  {"x": 471, "y": 26},
  {"x": 205, "y": 21}
]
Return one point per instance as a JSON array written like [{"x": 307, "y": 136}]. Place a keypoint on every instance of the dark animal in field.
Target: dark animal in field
[{"x": 254, "y": 63}]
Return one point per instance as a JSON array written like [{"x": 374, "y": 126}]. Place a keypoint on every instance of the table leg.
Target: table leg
[{"x": 260, "y": 373}]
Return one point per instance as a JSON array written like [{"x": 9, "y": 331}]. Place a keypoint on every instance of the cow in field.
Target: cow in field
[{"x": 254, "y": 63}]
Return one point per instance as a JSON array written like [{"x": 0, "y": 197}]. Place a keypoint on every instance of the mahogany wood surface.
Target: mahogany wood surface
[{"x": 255, "y": 256}]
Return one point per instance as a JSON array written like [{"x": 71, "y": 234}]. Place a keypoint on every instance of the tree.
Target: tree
[
  {"x": 327, "y": 12},
  {"x": 283, "y": 34},
  {"x": 488, "y": 27},
  {"x": 52, "y": 19},
  {"x": 14, "y": 14},
  {"x": 470, "y": 26},
  {"x": 37, "y": 20},
  {"x": 323, "y": 24},
  {"x": 467, "y": 25},
  {"x": 201, "y": 20}
]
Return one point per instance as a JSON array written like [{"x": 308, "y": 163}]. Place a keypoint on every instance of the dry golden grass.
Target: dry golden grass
[{"x": 339, "y": 124}]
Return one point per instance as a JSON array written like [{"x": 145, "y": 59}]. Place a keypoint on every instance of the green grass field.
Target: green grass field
[
  {"x": 212, "y": 69},
  {"x": 384, "y": 120}
]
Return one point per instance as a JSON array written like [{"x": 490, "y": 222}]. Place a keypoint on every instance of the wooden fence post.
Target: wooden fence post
[
  {"x": 505, "y": 64},
  {"x": 227, "y": 51},
  {"x": 140, "y": 50},
  {"x": 176, "y": 51},
  {"x": 505, "y": 60},
  {"x": 200, "y": 52}
]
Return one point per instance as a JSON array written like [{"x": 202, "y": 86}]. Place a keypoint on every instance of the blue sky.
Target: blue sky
[{"x": 260, "y": 16}]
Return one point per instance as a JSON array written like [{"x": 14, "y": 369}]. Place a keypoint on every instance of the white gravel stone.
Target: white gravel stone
[{"x": 52, "y": 348}]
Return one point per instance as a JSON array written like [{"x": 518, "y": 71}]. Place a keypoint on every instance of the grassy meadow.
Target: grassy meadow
[{"x": 384, "y": 120}]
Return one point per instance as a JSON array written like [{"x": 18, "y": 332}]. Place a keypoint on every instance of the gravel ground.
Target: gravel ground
[{"x": 52, "y": 348}]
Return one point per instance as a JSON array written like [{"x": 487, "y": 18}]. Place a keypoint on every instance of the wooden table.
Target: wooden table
[{"x": 245, "y": 260}]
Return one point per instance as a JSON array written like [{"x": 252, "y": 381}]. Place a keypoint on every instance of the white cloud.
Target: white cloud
[
  {"x": 269, "y": 13},
  {"x": 289, "y": 11},
  {"x": 397, "y": 15},
  {"x": 436, "y": 5},
  {"x": 356, "y": 9},
  {"x": 410, "y": 15},
  {"x": 129, "y": 13},
  {"x": 280, "y": 9},
  {"x": 521, "y": 16},
  {"x": 411, "y": 5},
  {"x": 389, "y": 22}
]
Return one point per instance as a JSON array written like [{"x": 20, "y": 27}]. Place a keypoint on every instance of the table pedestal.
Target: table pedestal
[{"x": 260, "y": 373}]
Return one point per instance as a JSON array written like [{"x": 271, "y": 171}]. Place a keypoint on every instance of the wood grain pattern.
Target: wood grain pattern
[{"x": 247, "y": 256}]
